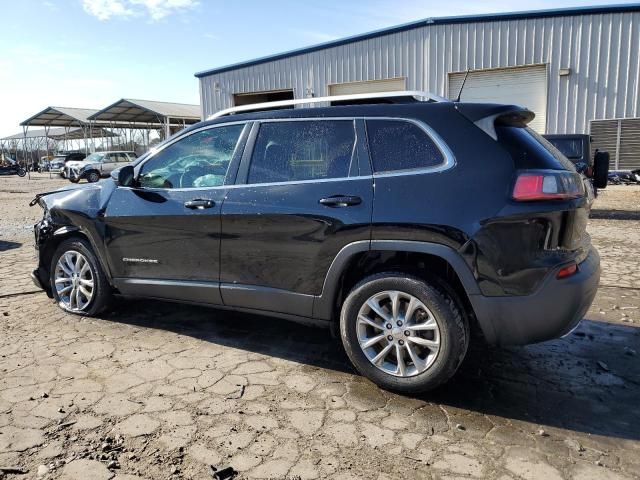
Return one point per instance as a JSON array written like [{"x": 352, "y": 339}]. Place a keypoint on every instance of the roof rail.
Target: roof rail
[{"x": 336, "y": 98}]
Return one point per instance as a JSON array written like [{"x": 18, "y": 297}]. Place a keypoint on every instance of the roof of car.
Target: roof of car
[
  {"x": 372, "y": 109},
  {"x": 116, "y": 151}
]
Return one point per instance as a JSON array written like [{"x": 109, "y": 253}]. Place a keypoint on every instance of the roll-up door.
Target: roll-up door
[
  {"x": 526, "y": 86},
  {"x": 370, "y": 86}
]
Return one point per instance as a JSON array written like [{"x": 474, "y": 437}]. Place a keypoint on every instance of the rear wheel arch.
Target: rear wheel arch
[{"x": 430, "y": 261}]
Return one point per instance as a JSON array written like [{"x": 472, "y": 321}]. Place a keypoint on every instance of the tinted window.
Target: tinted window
[
  {"x": 529, "y": 149},
  {"x": 399, "y": 145},
  {"x": 569, "y": 147},
  {"x": 195, "y": 161},
  {"x": 304, "y": 150}
]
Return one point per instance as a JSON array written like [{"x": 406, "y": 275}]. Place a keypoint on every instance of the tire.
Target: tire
[
  {"x": 93, "y": 177},
  {"x": 22, "y": 172},
  {"x": 101, "y": 291},
  {"x": 601, "y": 169},
  {"x": 438, "y": 365},
  {"x": 74, "y": 179}
]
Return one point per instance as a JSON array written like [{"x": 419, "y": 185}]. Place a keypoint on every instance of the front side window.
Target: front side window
[
  {"x": 196, "y": 161},
  {"x": 94, "y": 158},
  {"x": 400, "y": 145},
  {"x": 302, "y": 150}
]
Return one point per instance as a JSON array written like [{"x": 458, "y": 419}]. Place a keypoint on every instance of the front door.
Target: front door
[
  {"x": 301, "y": 198},
  {"x": 163, "y": 236}
]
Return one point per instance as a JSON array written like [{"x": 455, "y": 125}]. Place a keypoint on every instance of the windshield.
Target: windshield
[
  {"x": 95, "y": 157},
  {"x": 570, "y": 147}
]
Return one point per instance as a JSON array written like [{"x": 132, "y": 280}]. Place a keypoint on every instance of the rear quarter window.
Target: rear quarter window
[
  {"x": 529, "y": 149},
  {"x": 400, "y": 145}
]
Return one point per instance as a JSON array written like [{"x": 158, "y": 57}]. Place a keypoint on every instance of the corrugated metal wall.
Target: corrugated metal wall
[
  {"x": 602, "y": 51},
  {"x": 621, "y": 138}
]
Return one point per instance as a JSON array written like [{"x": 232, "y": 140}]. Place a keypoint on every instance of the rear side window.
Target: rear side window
[
  {"x": 400, "y": 145},
  {"x": 531, "y": 150},
  {"x": 302, "y": 150}
]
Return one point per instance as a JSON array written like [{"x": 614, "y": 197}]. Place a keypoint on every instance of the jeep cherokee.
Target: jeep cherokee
[{"x": 403, "y": 226}]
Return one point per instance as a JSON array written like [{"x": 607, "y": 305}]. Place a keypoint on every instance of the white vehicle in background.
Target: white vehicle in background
[
  {"x": 97, "y": 165},
  {"x": 59, "y": 160}
]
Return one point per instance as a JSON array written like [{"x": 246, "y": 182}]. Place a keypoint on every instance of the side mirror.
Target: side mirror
[{"x": 125, "y": 176}]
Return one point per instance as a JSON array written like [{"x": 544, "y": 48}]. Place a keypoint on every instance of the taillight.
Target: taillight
[
  {"x": 547, "y": 185},
  {"x": 567, "y": 271}
]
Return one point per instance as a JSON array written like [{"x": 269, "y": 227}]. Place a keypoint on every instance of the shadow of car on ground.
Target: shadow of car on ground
[{"x": 586, "y": 382}]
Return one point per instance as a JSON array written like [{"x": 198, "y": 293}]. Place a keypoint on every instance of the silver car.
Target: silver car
[{"x": 97, "y": 165}]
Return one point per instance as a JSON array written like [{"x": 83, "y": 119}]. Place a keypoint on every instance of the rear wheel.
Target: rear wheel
[
  {"x": 403, "y": 333},
  {"x": 74, "y": 179},
  {"x": 78, "y": 282},
  {"x": 22, "y": 172}
]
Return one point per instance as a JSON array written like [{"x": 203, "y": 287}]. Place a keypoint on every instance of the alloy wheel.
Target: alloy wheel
[
  {"x": 74, "y": 282},
  {"x": 398, "y": 333}
]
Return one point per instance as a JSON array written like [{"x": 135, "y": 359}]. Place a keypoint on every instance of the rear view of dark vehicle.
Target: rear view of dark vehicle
[
  {"x": 577, "y": 149},
  {"x": 403, "y": 227}
]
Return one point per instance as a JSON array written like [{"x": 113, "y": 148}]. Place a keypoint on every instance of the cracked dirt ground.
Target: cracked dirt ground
[{"x": 162, "y": 391}]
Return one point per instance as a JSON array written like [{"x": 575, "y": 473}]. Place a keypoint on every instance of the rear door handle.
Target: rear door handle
[
  {"x": 340, "y": 201},
  {"x": 199, "y": 204}
]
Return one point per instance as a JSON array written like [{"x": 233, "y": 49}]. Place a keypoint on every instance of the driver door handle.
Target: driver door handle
[
  {"x": 199, "y": 204},
  {"x": 340, "y": 201}
]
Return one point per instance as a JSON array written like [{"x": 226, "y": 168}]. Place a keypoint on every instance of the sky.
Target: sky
[{"x": 91, "y": 53}]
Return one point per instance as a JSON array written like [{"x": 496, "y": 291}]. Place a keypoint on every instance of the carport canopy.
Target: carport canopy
[
  {"x": 60, "y": 117},
  {"x": 128, "y": 110},
  {"x": 62, "y": 133}
]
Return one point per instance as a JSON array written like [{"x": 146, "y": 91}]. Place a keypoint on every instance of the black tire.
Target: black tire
[
  {"x": 600, "y": 169},
  {"x": 454, "y": 331},
  {"x": 93, "y": 177},
  {"x": 22, "y": 172},
  {"x": 102, "y": 291},
  {"x": 74, "y": 179}
]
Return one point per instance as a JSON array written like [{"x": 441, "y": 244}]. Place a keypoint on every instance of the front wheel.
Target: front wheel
[
  {"x": 22, "y": 172},
  {"x": 93, "y": 177},
  {"x": 78, "y": 282},
  {"x": 403, "y": 333},
  {"x": 74, "y": 179}
]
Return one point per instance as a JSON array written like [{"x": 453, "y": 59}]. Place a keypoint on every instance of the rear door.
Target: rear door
[
  {"x": 301, "y": 196},
  {"x": 110, "y": 163}
]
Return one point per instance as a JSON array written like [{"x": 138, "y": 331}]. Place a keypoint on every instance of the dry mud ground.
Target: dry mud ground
[{"x": 158, "y": 391}]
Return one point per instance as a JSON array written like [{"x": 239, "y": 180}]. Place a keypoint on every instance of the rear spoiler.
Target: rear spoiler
[{"x": 487, "y": 116}]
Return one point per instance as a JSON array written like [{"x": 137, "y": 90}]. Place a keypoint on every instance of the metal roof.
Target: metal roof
[
  {"x": 491, "y": 17},
  {"x": 60, "y": 117},
  {"x": 147, "y": 111},
  {"x": 60, "y": 133}
]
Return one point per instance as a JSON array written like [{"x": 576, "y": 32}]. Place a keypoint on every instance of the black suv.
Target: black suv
[{"x": 403, "y": 226}]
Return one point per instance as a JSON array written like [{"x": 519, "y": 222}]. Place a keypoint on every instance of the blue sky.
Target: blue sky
[{"x": 90, "y": 53}]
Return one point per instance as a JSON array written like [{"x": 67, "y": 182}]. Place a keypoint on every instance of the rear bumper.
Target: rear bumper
[{"x": 552, "y": 311}]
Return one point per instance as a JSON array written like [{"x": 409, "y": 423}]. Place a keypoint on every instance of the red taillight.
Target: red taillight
[
  {"x": 567, "y": 271},
  {"x": 547, "y": 185}
]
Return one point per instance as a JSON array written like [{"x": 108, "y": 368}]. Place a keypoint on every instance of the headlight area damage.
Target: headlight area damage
[{"x": 68, "y": 212}]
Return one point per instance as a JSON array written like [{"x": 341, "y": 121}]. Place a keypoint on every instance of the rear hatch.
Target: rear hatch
[{"x": 542, "y": 226}]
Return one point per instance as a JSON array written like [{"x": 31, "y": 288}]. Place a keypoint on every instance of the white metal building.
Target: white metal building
[{"x": 577, "y": 69}]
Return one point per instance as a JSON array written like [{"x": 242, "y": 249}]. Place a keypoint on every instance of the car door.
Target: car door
[
  {"x": 163, "y": 235},
  {"x": 302, "y": 195},
  {"x": 109, "y": 163}
]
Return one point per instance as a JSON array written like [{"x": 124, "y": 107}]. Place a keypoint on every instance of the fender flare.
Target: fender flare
[{"x": 324, "y": 303}]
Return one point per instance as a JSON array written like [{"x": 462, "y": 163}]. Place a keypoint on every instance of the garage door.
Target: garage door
[
  {"x": 621, "y": 138},
  {"x": 371, "y": 86},
  {"x": 526, "y": 86}
]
